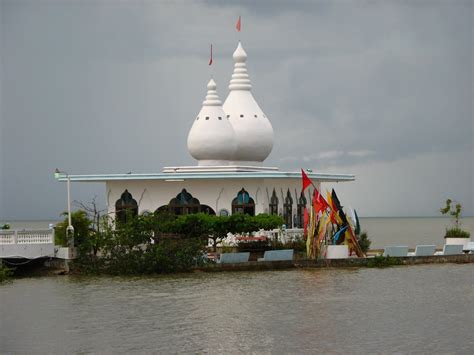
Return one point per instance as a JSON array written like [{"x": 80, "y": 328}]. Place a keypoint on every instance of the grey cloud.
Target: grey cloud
[{"x": 96, "y": 87}]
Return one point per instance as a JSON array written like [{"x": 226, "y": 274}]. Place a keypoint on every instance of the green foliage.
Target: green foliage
[
  {"x": 383, "y": 261},
  {"x": 156, "y": 243},
  {"x": 456, "y": 232},
  {"x": 194, "y": 225},
  {"x": 298, "y": 244},
  {"x": 81, "y": 223},
  {"x": 254, "y": 245},
  {"x": 241, "y": 223},
  {"x": 268, "y": 221},
  {"x": 5, "y": 226},
  {"x": 5, "y": 272},
  {"x": 146, "y": 244},
  {"x": 219, "y": 227},
  {"x": 453, "y": 210},
  {"x": 364, "y": 242}
]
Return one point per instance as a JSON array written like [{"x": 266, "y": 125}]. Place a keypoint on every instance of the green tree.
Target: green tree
[
  {"x": 454, "y": 210},
  {"x": 81, "y": 223},
  {"x": 364, "y": 242},
  {"x": 267, "y": 221},
  {"x": 220, "y": 226}
]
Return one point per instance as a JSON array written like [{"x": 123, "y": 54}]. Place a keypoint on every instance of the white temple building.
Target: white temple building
[{"x": 230, "y": 142}]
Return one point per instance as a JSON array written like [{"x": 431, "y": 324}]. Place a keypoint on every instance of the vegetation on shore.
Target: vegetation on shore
[
  {"x": 154, "y": 243},
  {"x": 5, "y": 272},
  {"x": 454, "y": 210},
  {"x": 383, "y": 261}
]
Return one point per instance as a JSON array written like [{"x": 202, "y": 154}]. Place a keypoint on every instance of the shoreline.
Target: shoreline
[{"x": 49, "y": 268}]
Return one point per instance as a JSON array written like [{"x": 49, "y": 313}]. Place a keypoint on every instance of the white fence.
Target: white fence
[{"x": 29, "y": 244}]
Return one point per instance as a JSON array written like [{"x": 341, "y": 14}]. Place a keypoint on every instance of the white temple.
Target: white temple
[{"x": 230, "y": 142}]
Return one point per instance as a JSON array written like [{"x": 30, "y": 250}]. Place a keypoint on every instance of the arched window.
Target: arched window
[
  {"x": 185, "y": 203},
  {"x": 288, "y": 210},
  {"x": 300, "y": 211},
  {"x": 243, "y": 203},
  {"x": 206, "y": 209},
  {"x": 125, "y": 207},
  {"x": 274, "y": 203}
]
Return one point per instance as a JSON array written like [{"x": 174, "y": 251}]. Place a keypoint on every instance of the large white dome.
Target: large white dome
[
  {"x": 211, "y": 139},
  {"x": 253, "y": 130}
]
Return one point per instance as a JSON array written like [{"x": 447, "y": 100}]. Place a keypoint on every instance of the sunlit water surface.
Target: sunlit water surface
[{"x": 418, "y": 309}]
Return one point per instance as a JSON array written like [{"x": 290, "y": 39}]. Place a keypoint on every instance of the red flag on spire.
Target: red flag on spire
[
  {"x": 306, "y": 180},
  {"x": 210, "y": 60},
  {"x": 237, "y": 26}
]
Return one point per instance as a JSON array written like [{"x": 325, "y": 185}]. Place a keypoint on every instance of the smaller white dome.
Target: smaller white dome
[{"x": 211, "y": 139}]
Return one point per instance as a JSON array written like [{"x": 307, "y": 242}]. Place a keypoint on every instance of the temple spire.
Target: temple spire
[
  {"x": 212, "y": 99},
  {"x": 240, "y": 78}
]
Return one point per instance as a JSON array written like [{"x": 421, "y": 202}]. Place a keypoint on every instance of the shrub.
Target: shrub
[
  {"x": 364, "y": 242},
  {"x": 254, "y": 245},
  {"x": 5, "y": 272},
  {"x": 456, "y": 232},
  {"x": 383, "y": 261},
  {"x": 298, "y": 244},
  {"x": 81, "y": 224},
  {"x": 454, "y": 210}
]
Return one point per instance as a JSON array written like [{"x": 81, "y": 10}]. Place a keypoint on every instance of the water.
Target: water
[
  {"x": 410, "y": 231},
  {"x": 382, "y": 231},
  {"x": 418, "y": 309}
]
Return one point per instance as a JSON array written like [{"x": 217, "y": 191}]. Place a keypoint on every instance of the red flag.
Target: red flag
[
  {"x": 319, "y": 203},
  {"x": 237, "y": 26},
  {"x": 306, "y": 180},
  {"x": 210, "y": 60}
]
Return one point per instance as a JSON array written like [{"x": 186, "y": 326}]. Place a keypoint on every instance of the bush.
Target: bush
[
  {"x": 383, "y": 261},
  {"x": 81, "y": 224},
  {"x": 297, "y": 244},
  {"x": 5, "y": 272},
  {"x": 254, "y": 245},
  {"x": 157, "y": 243},
  {"x": 364, "y": 242},
  {"x": 456, "y": 232}
]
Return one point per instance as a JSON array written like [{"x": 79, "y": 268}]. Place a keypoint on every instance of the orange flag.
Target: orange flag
[
  {"x": 305, "y": 221},
  {"x": 237, "y": 26}
]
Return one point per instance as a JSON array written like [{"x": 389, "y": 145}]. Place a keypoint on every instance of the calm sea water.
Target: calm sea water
[
  {"x": 382, "y": 231},
  {"x": 419, "y": 309}
]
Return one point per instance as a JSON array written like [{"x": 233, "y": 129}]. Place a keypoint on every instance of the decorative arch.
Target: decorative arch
[
  {"x": 300, "y": 211},
  {"x": 288, "y": 209},
  {"x": 185, "y": 203},
  {"x": 273, "y": 203},
  {"x": 125, "y": 207},
  {"x": 243, "y": 203}
]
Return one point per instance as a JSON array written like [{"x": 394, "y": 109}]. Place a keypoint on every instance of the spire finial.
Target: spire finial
[
  {"x": 212, "y": 99},
  {"x": 240, "y": 78}
]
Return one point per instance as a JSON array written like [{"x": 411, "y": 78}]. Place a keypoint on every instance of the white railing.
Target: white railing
[{"x": 43, "y": 236}]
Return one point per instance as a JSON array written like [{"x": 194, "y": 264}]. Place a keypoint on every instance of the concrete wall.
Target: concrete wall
[{"x": 216, "y": 193}]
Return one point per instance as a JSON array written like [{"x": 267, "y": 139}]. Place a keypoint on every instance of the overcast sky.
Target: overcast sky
[{"x": 380, "y": 89}]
